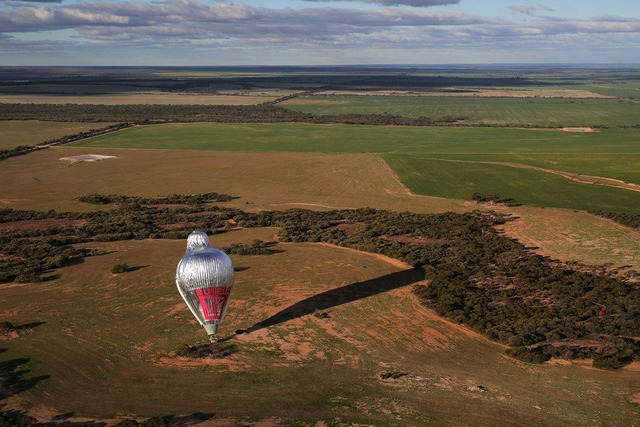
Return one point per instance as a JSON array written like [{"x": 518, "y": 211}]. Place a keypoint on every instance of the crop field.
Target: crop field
[
  {"x": 14, "y": 132},
  {"x": 301, "y": 367},
  {"x": 458, "y": 180},
  {"x": 416, "y": 154},
  {"x": 138, "y": 98},
  {"x": 545, "y": 112}
]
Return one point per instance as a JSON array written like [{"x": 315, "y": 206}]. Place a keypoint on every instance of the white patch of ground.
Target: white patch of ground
[
  {"x": 72, "y": 160},
  {"x": 578, "y": 129}
]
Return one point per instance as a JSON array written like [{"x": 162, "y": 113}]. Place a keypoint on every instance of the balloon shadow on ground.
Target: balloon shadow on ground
[{"x": 342, "y": 295}]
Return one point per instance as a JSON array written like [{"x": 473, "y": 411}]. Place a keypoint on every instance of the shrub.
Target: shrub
[{"x": 120, "y": 268}]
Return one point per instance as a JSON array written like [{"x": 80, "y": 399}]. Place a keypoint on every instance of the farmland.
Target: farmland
[
  {"x": 123, "y": 353},
  {"x": 457, "y": 180},
  {"x": 15, "y": 132},
  {"x": 542, "y": 112},
  {"x": 279, "y": 180},
  {"x": 418, "y": 153},
  {"x": 139, "y": 98},
  {"x": 329, "y": 322}
]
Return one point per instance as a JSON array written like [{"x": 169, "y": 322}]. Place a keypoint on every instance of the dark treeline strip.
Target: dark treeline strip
[
  {"x": 24, "y": 149},
  {"x": 626, "y": 219},
  {"x": 179, "y": 199},
  {"x": 150, "y": 114},
  {"x": 257, "y": 247},
  {"x": 477, "y": 276}
]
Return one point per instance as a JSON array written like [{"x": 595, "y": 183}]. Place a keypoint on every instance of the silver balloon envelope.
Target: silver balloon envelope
[{"x": 204, "y": 278}]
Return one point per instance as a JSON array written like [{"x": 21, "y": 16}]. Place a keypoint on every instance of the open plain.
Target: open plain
[{"x": 336, "y": 336}]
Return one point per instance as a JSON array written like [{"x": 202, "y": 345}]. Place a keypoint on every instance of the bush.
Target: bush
[
  {"x": 608, "y": 362},
  {"x": 120, "y": 268}
]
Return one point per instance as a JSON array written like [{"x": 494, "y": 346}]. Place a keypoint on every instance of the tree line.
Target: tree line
[
  {"x": 627, "y": 219},
  {"x": 150, "y": 114}
]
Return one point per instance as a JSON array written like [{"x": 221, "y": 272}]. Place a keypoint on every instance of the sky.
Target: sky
[{"x": 316, "y": 32}]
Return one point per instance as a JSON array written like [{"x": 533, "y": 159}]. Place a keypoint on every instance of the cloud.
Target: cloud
[
  {"x": 167, "y": 27},
  {"x": 30, "y": 1},
  {"x": 220, "y": 19},
  {"x": 530, "y": 10},
  {"x": 413, "y": 3}
]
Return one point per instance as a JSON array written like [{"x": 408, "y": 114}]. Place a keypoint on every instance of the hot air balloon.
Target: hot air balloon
[{"x": 204, "y": 278}]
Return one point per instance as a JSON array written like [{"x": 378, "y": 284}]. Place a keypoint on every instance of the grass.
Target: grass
[
  {"x": 28, "y": 132},
  {"x": 575, "y": 236},
  {"x": 424, "y": 175},
  {"x": 264, "y": 180},
  {"x": 368, "y": 139},
  {"x": 308, "y": 369},
  {"x": 492, "y": 111},
  {"x": 611, "y": 154}
]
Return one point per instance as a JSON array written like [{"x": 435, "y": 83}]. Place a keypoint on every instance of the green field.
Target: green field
[
  {"x": 611, "y": 154},
  {"x": 424, "y": 175},
  {"x": 490, "y": 111},
  {"x": 369, "y": 139}
]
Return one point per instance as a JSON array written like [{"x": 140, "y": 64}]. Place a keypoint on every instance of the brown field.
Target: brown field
[
  {"x": 264, "y": 180},
  {"x": 28, "y": 132},
  {"x": 296, "y": 365},
  {"x": 138, "y": 98},
  {"x": 575, "y": 236},
  {"x": 476, "y": 93},
  {"x": 280, "y": 180}
]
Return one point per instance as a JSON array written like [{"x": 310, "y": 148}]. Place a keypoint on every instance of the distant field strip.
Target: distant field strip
[
  {"x": 613, "y": 153},
  {"x": 545, "y": 112},
  {"x": 30, "y": 132},
  {"x": 412, "y": 152},
  {"x": 136, "y": 98}
]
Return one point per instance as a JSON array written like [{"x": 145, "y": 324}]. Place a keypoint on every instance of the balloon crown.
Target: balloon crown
[{"x": 198, "y": 240}]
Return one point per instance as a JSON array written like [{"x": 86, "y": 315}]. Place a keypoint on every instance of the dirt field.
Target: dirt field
[
  {"x": 575, "y": 236},
  {"x": 264, "y": 180},
  {"x": 28, "y": 132},
  {"x": 137, "y": 98},
  {"x": 375, "y": 325}
]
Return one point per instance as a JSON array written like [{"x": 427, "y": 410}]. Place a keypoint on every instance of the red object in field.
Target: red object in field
[
  {"x": 603, "y": 310},
  {"x": 213, "y": 301}
]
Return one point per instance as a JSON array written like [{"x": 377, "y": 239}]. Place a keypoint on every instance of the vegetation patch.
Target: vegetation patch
[
  {"x": 626, "y": 219},
  {"x": 477, "y": 276},
  {"x": 121, "y": 268},
  {"x": 257, "y": 247},
  {"x": 208, "y": 350}
]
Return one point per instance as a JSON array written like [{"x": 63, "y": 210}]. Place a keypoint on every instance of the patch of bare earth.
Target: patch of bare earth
[
  {"x": 40, "y": 224},
  {"x": 579, "y": 130},
  {"x": 72, "y": 160}
]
